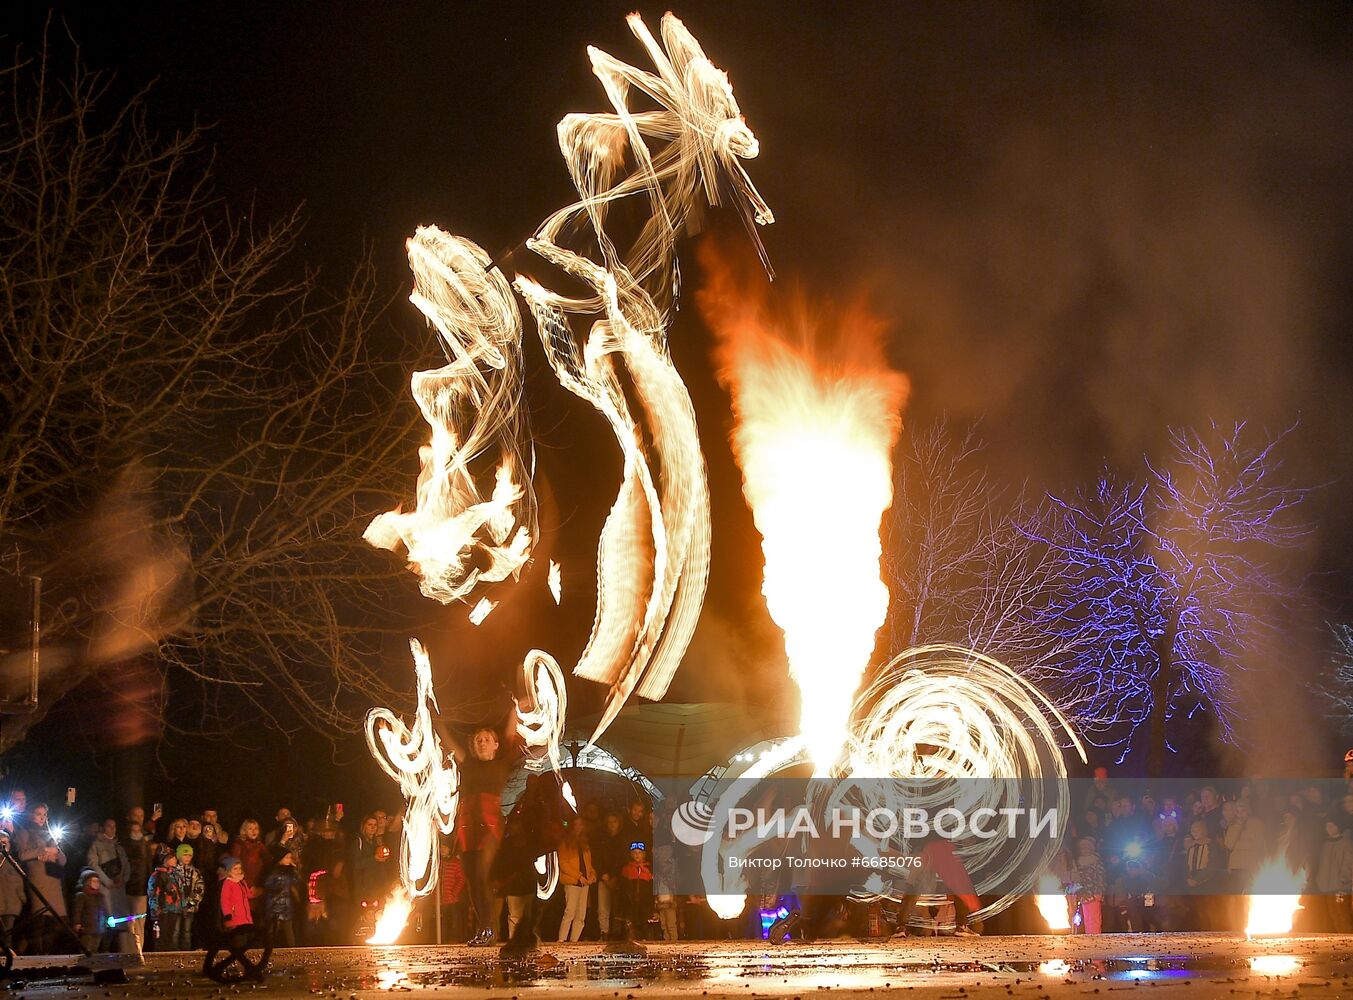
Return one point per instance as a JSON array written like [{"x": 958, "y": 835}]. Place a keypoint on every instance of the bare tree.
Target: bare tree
[
  {"x": 960, "y": 563},
  {"x": 194, "y": 428}
]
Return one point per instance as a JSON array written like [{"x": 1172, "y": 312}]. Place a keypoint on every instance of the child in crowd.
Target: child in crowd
[
  {"x": 164, "y": 896},
  {"x": 636, "y": 890},
  {"x": 234, "y": 896},
  {"x": 90, "y": 915},
  {"x": 1090, "y": 885},
  {"x": 192, "y": 888},
  {"x": 281, "y": 907}
]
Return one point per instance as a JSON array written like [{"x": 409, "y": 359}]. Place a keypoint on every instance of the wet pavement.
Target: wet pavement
[{"x": 1022, "y": 967}]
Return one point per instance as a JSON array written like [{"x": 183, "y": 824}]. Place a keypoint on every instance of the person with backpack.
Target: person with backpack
[
  {"x": 192, "y": 890},
  {"x": 280, "y": 885},
  {"x": 165, "y": 901}
]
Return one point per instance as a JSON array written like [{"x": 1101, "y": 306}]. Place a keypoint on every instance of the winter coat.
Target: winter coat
[
  {"x": 192, "y": 887},
  {"x": 165, "y": 892},
  {"x": 139, "y": 867},
  {"x": 253, "y": 855},
  {"x": 33, "y": 840},
  {"x": 1334, "y": 867},
  {"x": 575, "y": 866},
  {"x": 636, "y": 891},
  {"x": 1245, "y": 840},
  {"x": 235, "y": 910},
  {"x": 206, "y": 854},
  {"x": 1090, "y": 876},
  {"x": 91, "y": 914},
  {"x": 612, "y": 854},
  {"x": 12, "y": 890},
  {"x": 108, "y": 860},
  {"x": 280, "y": 884}
]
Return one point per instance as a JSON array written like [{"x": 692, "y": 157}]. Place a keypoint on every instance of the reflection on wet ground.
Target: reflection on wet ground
[{"x": 1036, "y": 967}]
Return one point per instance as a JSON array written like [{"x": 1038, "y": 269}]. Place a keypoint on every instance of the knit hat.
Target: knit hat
[
  {"x": 86, "y": 875},
  {"x": 229, "y": 862},
  {"x": 183, "y": 851}
]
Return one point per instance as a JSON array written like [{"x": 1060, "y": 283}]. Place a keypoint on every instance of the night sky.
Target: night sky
[{"x": 1083, "y": 222}]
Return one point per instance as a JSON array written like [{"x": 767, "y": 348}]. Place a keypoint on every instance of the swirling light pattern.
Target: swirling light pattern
[
  {"x": 939, "y": 726},
  {"x": 427, "y": 777},
  {"x": 942, "y": 726},
  {"x": 653, "y": 559},
  {"x": 456, "y": 537}
]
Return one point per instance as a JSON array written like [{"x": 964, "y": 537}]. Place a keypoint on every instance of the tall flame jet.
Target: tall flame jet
[{"x": 815, "y": 421}]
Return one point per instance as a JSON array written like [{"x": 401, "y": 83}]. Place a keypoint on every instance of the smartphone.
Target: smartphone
[
  {"x": 338, "y": 810},
  {"x": 70, "y": 796},
  {"x": 158, "y": 810}
]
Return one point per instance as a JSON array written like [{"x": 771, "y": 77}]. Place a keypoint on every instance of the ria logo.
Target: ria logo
[{"x": 693, "y": 823}]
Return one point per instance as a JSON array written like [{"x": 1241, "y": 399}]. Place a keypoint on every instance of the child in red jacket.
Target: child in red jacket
[
  {"x": 636, "y": 890},
  {"x": 235, "y": 911}
]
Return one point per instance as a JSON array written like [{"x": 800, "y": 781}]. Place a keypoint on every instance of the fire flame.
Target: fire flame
[
  {"x": 1274, "y": 900},
  {"x": 1052, "y": 904},
  {"x": 394, "y": 915},
  {"x": 814, "y": 428}
]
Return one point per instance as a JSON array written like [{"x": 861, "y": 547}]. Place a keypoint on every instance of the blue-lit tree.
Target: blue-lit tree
[{"x": 1168, "y": 586}]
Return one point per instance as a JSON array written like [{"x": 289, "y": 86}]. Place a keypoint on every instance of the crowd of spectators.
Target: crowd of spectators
[
  {"x": 1189, "y": 860},
  {"x": 1133, "y": 862}
]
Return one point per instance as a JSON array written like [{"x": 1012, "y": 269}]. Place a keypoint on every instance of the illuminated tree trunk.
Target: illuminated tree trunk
[{"x": 1160, "y": 700}]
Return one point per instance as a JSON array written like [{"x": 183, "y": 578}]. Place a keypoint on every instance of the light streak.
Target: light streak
[
  {"x": 427, "y": 777},
  {"x": 481, "y": 610},
  {"x": 1274, "y": 900},
  {"x": 473, "y": 407},
  {"x": 653, "y": 559},
  {"x": 813, "y": 431},
  {"x": 942, "y": 726},
  {"x": 556, "y": 582},
  {"x": 540, "y": 725}
]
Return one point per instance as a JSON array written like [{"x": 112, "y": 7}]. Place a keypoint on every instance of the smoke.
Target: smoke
[{"x": 1089, "y": 223}]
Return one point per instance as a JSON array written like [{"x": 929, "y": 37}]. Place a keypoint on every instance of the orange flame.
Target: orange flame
[
  {"x": 816, "y": 413},
  {"x": 1274, "y": 900},
  {"x": 1052, "y": 904},
  {"x": 394, "y": 915}
]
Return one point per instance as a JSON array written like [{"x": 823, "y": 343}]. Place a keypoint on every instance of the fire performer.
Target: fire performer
[{"x": 479, "y": 822}]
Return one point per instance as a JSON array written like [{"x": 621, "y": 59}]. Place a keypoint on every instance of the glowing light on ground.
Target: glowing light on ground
[
  {"x": 1274, "y": 900},
  {"x": 727, "y": 906},
  {"x": 815, "y": 421},
  {"x": 394, "y": 915},
  {"x": 427, "y": 777},
  {"x": 1051, "y": 901},
  {"x": 1275, "y": 965},
  {"x": 1055, "y": 966}
]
